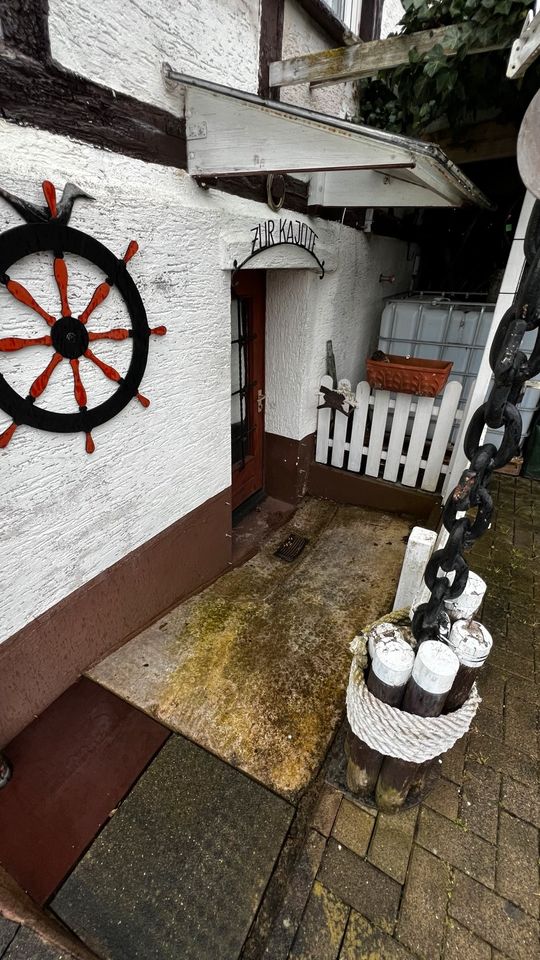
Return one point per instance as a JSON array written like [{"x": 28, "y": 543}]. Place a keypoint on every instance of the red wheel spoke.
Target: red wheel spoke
[
  {"x": 6, "y": 436},
  {"x": 80, "y": 392},
  {"x": 24, "y": 296},
  {"x": 132, "y": 248},
  {"x": 103, "y": 289},
  {"x": 49, "y": 191},
  {"x": 144, "y": 401},
  {"x": 89, "y": 445},
  {"x": 41, "y": 382},
  {"x": 19, "y": 343},
  {"x": 61, "y": 277},
  {"x": 109, "y": 372},
  {"x": 158, "y": 331},
  {"x": 118, "y": 333},
  {"x": 98, "y": 296}
]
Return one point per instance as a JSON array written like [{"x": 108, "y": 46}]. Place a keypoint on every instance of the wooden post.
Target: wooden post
[
  {"x": 434, "y": 671},
  {"x": 472, "y": 644},
  {"x": 390, "y": 670},
  {"x": 465, "y": 606}
]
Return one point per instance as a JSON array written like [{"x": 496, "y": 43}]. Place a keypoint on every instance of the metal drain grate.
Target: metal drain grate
[{"x": 291, "y": 548}]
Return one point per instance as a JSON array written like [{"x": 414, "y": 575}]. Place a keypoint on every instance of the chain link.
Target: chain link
[{"x": 468, "y": 510}]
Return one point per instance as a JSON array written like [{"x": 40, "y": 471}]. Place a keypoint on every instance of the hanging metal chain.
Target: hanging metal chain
[{"x": 467, "y": 512}]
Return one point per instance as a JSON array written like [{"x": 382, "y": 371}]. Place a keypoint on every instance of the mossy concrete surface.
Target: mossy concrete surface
[{"x": 255, "y": 668}]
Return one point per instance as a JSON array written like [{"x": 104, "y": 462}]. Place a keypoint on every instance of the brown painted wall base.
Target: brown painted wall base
[
  {"x": 287, "y": 465},
  {"x": 345, "y": 487},
  {"x": 40, "y": 661}
]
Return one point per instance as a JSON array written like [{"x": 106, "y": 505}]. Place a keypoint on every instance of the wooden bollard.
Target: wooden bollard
[
  {"x": 434, "y": 671},
  {"x": 469, "y": 602},
  {"x": 472, "y": 644},
  {"x": 388, "y": 675}
]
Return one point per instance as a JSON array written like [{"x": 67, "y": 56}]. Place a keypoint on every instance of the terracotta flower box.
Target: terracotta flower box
[{"x": 425, "y": 378}]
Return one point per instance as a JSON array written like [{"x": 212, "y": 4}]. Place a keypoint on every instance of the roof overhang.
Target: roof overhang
[{"x": 232, "y": 133}]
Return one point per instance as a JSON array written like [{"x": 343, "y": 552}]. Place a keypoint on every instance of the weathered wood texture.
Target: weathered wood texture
[
  {"x": 25, "y": 26},
  {"x": 362, "y": 59},
  {"x": 41, "y": 94}
]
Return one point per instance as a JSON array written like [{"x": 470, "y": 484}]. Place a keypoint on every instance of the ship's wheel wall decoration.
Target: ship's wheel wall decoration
[{"x": 70, "y": 338}]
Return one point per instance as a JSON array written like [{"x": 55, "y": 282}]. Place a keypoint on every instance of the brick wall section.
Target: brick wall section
[{"x": 457, "y": 878}]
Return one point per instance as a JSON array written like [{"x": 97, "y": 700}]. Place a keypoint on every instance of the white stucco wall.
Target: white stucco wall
[
  {"x": 301, "y": 35},
  {"x": 391, "y": 15},
  {"x": 123, "y": 45},
  {"x": 304, "y": 312},
  {"x": 68, "y": 516}
]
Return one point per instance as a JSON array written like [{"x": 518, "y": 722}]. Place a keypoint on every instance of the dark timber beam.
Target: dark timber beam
[
  {"x": 37, "y": 92},
  {"x": 270, "y": 44}
]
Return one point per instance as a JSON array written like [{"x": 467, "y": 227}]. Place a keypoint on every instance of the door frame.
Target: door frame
[{"x": 247, "y": 479}]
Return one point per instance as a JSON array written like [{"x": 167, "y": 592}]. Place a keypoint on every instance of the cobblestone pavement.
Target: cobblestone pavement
[{"x": 456, "y": 878}]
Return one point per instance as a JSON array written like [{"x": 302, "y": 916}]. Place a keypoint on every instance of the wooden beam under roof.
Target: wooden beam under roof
[{"x": 363, "y": 59}]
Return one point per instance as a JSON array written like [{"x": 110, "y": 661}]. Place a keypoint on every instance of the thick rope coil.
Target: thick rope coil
[{"x": 394, "y": 732}]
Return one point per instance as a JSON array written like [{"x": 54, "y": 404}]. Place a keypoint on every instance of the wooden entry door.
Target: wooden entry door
[{"x": 247, "y": 384}]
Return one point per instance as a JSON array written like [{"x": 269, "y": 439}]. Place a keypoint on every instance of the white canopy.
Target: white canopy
[{"x": 230, "y": 132}]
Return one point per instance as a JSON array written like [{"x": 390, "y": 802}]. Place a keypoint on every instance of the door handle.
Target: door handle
[{"x": 260, "y": 401}]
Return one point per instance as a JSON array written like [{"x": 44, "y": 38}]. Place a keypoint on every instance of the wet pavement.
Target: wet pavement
[
  {"x": 255, "y": 668},
  {"x": 456, "y": 878},
  {"x": 201, "y": 861}
]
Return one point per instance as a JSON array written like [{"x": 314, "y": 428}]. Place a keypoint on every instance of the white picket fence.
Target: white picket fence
[{"x": 396, "y": 436}]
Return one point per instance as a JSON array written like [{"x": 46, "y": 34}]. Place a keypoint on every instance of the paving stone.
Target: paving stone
[
  {"x": 523, "y": 645},
  {"x": 453, "y": 760},
  {"x": 7, "y": 932},
  {"x": 28, "y": 946},
  {"x": 322, "y": 928},
  {"x": 489, "y": 723},
  {"x": 494, "y": 919},
  {"x": 491, "y": 686},
  {"x": 182, "y": 866},
  {"x": 517, "y": 863},
  {"x": 509, "y": 661},
  {"x": 444, "y": 798},
  {"x": 361, "y": 885},
  {"x": 480, "y": 804},
  {"x": 353, "y": 827},
  {"x": 363, "y": 941},
  {"x": 461, "y": 944},
  {"x": 521, "y": 801},
  {"x": 392, "y": 841},
  {"x": 457, "y": 845},
  {"x": 523, "y": 690},
  {"x": 285, "y": 925},
  {"x": 326, "y": 810},
  {"x": 521, "y": 726},
  {"x": 503, "y": 758},
  {"x": 421, "y": 920}
]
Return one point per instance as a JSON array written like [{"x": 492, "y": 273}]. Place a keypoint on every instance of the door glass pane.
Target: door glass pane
[{"x": 239, "y": 386}]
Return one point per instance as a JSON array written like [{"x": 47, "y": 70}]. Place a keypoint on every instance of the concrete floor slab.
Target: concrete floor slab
[
  {"x": 255, "y": 667},
  {"x": 180, "y": 869}
]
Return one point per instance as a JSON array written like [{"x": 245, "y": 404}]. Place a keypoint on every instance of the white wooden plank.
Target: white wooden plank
[
  {"x": 363, "y": 393},
  {"x": 376, "y": 436},
  {"x": 441, "y": 434},
  {"x": 231, "y": 135},
  {"x": 418, "y": 438},
  {"x": 323, "y": 426},
  {"x": 397, "y": 436},
  {"x": 359, "y": 188},
  {"x": 340, "y": 429}
]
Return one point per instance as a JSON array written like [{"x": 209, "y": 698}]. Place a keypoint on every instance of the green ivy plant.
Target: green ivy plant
[{"x": 435, "y": 90}]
